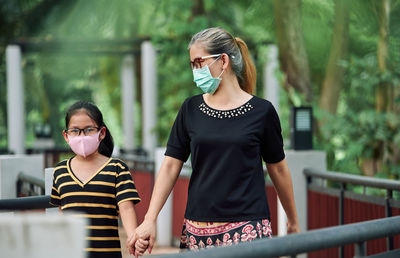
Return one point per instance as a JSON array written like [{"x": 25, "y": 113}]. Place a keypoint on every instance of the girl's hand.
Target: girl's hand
[
  {"x": 141, "y": 247},
  {"x": 130, "y": 243}
]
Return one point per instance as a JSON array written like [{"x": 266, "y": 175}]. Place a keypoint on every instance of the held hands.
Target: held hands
[{"x": 143, "y": 239}]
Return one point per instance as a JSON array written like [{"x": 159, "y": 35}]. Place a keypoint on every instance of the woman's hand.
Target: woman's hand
[
  {"x": 292, "y": 228},
  {"x": 145, "y": 232}
]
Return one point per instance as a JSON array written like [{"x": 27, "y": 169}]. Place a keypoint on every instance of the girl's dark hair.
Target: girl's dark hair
[
  {"x": 218, "y": 41},
  {"x": 107, "y": 144}
]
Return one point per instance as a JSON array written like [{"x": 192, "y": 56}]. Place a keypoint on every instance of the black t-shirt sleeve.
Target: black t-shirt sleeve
[
  {"x": 272, "y": 143},
  {"x": 178, "y": 145}
]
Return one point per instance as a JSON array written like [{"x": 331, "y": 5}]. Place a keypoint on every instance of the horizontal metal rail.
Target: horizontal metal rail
[
  {"x": 344, "y": 179},
  {"x": 31, "y": 180},
  {"x": 354, "y": 179},
  {"x": 26, "y": 203},
  {"x": 304, "y": 242}
]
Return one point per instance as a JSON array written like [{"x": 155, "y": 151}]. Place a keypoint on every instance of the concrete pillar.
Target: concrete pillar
[
  {"x": 36, "y": 235},
  {"x": 15, "y": 100},
  {"x": 164, "y": 219},
  {"x": 297, "y": 161},
  {"x": 12, "y": 165},
  {"x": 271, "y": 83},
  {"x": 48, "y": 177},
  {"x": 48, "y": 180},
  {"x": 128, "y": 102},
  {"x": 149, "y": 97}
]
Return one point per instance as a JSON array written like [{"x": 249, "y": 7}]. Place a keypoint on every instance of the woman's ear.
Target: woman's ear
[{"x": 225, "y": 61}]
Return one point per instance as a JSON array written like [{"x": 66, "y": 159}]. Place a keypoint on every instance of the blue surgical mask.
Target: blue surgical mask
[{"x": 204, "y": 80}]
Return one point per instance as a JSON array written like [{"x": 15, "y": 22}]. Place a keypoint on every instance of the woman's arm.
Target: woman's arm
[
  {"x": 167, "y": 176},
  {"x": 280, "y": 176}
]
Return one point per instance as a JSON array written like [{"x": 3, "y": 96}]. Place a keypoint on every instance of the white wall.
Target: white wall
[
  {"x": 37, "y": 235},
  {"x": 12, "y": 165}
]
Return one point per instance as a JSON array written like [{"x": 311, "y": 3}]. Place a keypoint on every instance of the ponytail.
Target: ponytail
[
  {"x": 106, "y": 146},
  {"x": 248, "y": 83}
]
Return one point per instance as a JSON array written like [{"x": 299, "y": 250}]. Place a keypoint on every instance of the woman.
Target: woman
[{"x": 227, "y": 131}]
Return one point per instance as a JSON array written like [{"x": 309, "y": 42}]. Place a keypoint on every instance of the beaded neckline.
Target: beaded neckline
[{"x": 221, "y": 114}]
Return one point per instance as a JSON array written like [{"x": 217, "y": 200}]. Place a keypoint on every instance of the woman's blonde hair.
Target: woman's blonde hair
[{"x": 218, "y": 41}]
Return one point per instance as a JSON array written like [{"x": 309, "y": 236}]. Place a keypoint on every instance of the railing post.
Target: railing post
[
  {"x": 341, "y": 213},
  {"x": 388, "y": 211},
  {"x": 360, "y": 250}
]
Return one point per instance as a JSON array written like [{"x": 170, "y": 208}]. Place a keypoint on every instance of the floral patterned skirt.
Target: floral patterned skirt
[{"x": 198, "y": 235}]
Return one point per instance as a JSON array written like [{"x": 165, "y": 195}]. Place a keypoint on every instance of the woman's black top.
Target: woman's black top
[{"x": 227, "y": 182}]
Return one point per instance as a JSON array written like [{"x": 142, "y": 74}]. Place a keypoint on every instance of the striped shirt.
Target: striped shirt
[{"x": 97, "y": 200}]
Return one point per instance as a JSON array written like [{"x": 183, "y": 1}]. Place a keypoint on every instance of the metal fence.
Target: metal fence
[
  {"x": 389, "y": 186},
  {"x": 28, "y": 185},
  {"x": 292, "y": 245}
]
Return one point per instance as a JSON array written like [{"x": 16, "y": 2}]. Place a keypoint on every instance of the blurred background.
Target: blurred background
[{"x": 340, "y": 57}]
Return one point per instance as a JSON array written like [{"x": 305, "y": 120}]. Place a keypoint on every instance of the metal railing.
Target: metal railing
[
  {"x": 26, "y": 203},
  {"x": 345, "y": 179},
  {"x": 314, "y": 240},
  {"x": 30, "y": 185}
]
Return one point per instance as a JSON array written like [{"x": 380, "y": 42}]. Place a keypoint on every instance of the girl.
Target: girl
[
  {"x": 228, "y": 132},
  {"x": 93, "y": 184}
]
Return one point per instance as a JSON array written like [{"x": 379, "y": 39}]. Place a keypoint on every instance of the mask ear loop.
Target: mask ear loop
[
  {"x": 219, "y": 76},
  {"x": 214, "y": 61}
]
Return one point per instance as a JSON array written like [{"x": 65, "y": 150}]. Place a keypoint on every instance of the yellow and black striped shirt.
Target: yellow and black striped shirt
[{"x": 98, "y": 200}]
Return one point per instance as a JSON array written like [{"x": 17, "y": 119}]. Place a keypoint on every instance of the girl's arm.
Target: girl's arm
[
  {"x": 167, "y": 176},
  {"x": 128, "y": 217},
  {"x": 280, "y": 176}
]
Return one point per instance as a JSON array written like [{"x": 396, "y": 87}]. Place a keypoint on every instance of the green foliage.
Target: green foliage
[
  {"x": 358, "y": 130},
  {"x": 54, "y": 81}
]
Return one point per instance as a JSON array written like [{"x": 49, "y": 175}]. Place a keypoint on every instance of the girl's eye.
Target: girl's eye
[{"x": 91, "y": 130}]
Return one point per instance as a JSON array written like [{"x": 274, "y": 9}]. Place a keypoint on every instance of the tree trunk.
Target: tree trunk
[
  {"x": 332, "y": 83},
  {"x": 382, "y": 97},
  {"x": 197, "y": 9},
  {"x": 292, "y": 53},
  {"x": 382, "y": 94}
]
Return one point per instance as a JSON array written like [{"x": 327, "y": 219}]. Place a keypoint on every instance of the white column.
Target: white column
[
  {"x": 271, "y": 93},
  {"x": 128, "y": 101},
  {"x": 271, "y": 83},
  {"x": 164, "y": 219},
  {"x": 149, "y": 97},
  {"x": 15, "y": 100}
]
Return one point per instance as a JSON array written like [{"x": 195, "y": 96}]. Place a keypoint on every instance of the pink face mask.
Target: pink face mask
[{"x": 84, "y": 145}]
